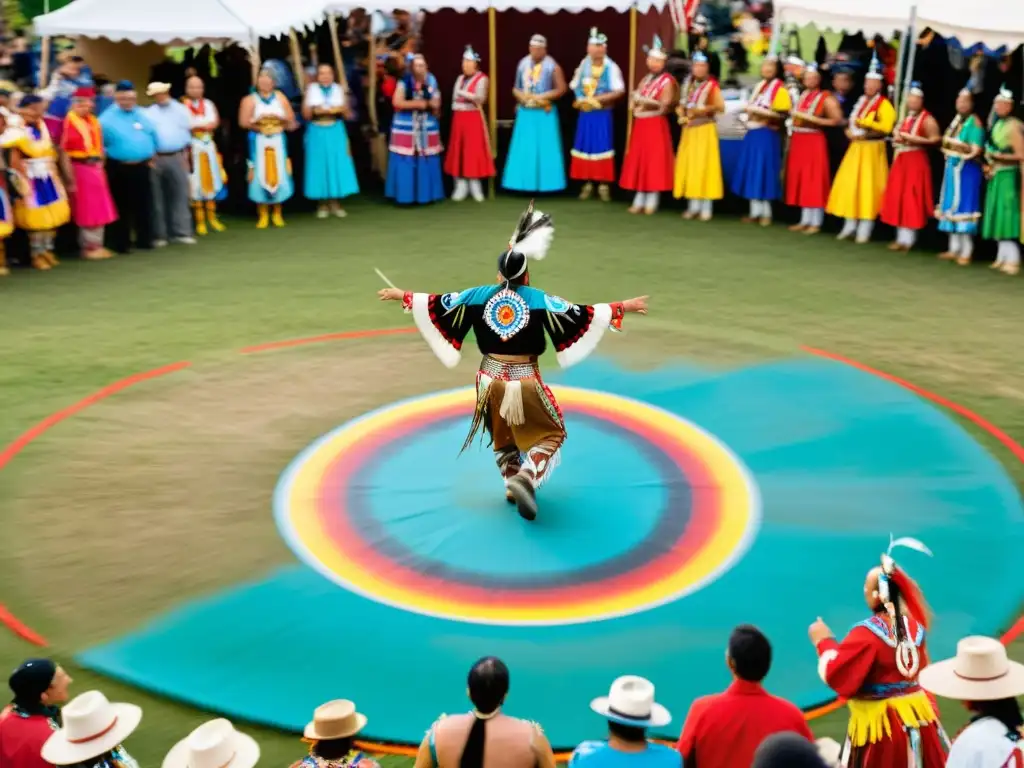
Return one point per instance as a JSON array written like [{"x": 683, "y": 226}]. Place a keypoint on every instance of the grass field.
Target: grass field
[{"x": 162, "y": 492}]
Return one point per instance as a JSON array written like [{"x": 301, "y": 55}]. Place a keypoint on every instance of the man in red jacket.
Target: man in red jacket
[
  {"x": 725, "y": 729},
  {"x": 39, "y": 686}
]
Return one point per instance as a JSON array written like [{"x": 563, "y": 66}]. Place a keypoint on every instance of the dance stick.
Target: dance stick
[{"x": 382, "y": 276}]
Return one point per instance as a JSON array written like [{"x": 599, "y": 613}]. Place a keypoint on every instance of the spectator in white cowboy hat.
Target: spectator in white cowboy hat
[
  {"x": 214, "y": 744},
  {"x": 331, "y": 735},
  {"x": 631, "y": 710},
  {"x": 39, "y": 686},
  {"x": 92, "y": 734},
  {"x": 485, "y": 737},
  {"x": 983, "y": 677}
]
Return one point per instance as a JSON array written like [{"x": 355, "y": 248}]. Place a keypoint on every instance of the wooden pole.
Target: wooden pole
[
  {"x": 492, "y": 93},
  {"x": 44, "y": 62},
  {"x": 300, "y": 76},
  {"x": 632, "y": 71},
  {"x": 371, "y": 107},
  {"x": 339, "y": 63}
]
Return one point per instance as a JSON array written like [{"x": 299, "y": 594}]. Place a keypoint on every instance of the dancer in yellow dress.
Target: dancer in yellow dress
[
  {"x": 859, "y": 185},
  {"x": 699, "y": 163}
]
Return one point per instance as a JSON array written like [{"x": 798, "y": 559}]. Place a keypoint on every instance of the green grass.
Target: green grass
[{"x": 78, "y": 555}]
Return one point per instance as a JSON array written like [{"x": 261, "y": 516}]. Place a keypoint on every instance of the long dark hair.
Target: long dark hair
[
  {"x": 488, "y": 686},
  {"x": 333, "y": 749},
  {"x": 1006, "y": 711}
]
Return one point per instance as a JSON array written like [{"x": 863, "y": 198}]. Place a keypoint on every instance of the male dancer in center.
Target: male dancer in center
[{"x": 509, "y": 320}]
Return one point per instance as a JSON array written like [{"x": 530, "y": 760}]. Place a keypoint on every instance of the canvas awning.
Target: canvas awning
[
  {"x": 176, "y": 22},
  {"x": 546, "y": 6}
]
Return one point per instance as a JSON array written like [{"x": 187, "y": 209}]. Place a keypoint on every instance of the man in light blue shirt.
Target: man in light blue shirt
[
  {"x": 129, "y": 142},
  {"x": 171, "y": 191}
]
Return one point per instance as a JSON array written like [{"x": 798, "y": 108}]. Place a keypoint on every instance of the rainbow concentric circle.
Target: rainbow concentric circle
[{"x": 651, "y": 508}]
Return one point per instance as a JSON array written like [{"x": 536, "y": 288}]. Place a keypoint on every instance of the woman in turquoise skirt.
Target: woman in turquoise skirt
[
  {"x": 329, "y": 172},
  {"x": 535, "y": 162},
  {"x": 1004, "y": 153}
]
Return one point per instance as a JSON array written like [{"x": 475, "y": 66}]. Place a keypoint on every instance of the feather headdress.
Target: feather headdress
[{"x": 530, "y": 241}]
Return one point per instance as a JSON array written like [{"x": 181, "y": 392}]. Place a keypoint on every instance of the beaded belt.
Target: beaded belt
[{"x": 496, "y": 369}]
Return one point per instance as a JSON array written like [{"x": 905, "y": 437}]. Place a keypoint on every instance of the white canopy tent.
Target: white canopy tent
[
  {"x": 994, "y": 23},
  {"x": 177, "y": 22},
  {"x": 547, "y": 6}
]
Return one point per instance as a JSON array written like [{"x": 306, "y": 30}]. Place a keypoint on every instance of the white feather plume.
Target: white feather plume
[
  {"x": 908, "y": 543},
  {"x": 536, "y": 244}
]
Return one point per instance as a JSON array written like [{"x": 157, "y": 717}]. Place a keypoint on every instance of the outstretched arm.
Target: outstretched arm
[
  {"x": 440, "y": 318},
  {"x": 576, "y": 329}
]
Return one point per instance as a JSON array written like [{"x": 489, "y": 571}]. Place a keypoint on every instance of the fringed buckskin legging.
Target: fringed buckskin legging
[{"x": 522, "y": 418}]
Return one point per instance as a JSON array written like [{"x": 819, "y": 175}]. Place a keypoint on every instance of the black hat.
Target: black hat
[
  {"x": 31, "y": 679},
  {"x": 787, "y": 750},
  {"x": 30, "y": 100},
  {"x": 125, "y": 86}
]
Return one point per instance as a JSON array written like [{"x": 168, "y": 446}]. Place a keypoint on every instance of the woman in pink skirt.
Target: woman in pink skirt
[{"x": 91, "y": 205}]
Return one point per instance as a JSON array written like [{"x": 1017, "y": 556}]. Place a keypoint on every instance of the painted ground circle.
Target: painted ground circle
[{"x": 375, "y": 507}]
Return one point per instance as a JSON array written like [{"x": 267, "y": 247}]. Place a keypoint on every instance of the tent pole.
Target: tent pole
[
  {"x": 339, "y": 63},
  {"x": 908, "y": 76},
  {"x": 371, "y": 106},
  {"x": 632, "y": 68},
  {"x": 293, "y": 40},
  {"x": 773, "y": 46},
  {"x": 44, "y": 62},
  {"x": 492, "y": 92}
]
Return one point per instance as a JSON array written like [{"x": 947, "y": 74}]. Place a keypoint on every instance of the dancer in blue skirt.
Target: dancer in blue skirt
[
  {"x": 414, "y": 165},
  {"x": 535, "y": 162},
  {"x": 758, "y": 176},
  {"x": 329, "y": 172}
]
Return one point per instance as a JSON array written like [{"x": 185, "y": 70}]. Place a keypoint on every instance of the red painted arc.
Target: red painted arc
[{"x": 38, "y": 430}]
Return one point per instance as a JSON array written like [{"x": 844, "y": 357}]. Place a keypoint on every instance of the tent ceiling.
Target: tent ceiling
[
  {"x": 180, "y": 21},
  {"x": 547, "y": 6}
]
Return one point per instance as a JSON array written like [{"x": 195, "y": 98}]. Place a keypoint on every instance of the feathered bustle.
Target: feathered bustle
[{"x": 533, "y": 235}]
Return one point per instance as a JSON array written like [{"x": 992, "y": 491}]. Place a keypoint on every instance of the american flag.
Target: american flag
[{"x": 682, "y": 12}]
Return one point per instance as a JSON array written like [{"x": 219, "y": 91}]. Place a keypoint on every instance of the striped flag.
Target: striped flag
[{"x": 682, "y": 12}]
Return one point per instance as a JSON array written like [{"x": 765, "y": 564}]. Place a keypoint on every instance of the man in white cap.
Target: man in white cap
[
  {"x": 535, "y": 162},
  {"x": 631, "y": 711},
  {"x": 93, "y": 732},
  {"x": 983, "y": 677},
  {"x": 214, "y": 744},
  {"x": 597, "y": 85},
  {"x": 172, "y": 217}
]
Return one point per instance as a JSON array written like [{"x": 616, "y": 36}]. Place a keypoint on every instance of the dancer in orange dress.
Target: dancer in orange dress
[
  {"x": 469, "y": 159},
  {"x": 808, "y": 179},
  {"x": 650, "y": 160},
  {"x": 893, "y": 722},
  {"x": 909, "y": 200}
]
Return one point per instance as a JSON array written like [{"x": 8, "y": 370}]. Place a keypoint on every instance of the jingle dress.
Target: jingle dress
[
  {"x": 698, "y": 174},
  {"x": 469, "y": 146},
  {"x": 808, "y": 177},
  {"x": 270, "y": 168},
  {"x": 759, "y": 167},
  {"x": 44, "y": 206},
  {"x": 593, "y": 149},
  {"x": 908, "y": 202},
  {"x": 859, "y": 186},
  {"x": 535, "y": 162},
  {"x": 514, "y": 405},
  {"x": 329, "y": 173},
  {"x": 414, "y": 165},
  {"x": 959, "y": 205},
  {"x": 207, "y": 179},
  {"x": 1002, "y": 195},
  {"x": 893, "y": 722},
  {"x": 649, "y": 162}
]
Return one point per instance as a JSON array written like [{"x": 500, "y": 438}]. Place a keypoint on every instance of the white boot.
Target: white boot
[
  {"x": 461, "y": 190},
  {"x": 705, "y": 210},
  {"x": 639, "y": 199},
  {"x": 966, "y": 250},
  {"x": 1000, "y": 255},
  {"x": 849, "y": 229},
  {"x": 1012, "y": 262},
  {"x": 692, "y": 208},
  {"x": 864, "y": 229},
  {"x": 651, "y": 204},
  {"x": 476, "y": 190},
  {"x": 766, "y": 213}
]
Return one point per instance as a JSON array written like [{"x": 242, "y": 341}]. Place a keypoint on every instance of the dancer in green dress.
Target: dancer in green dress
[{"x": 1004, "y": 153}]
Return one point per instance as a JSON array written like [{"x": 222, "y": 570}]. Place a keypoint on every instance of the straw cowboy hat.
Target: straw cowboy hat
[
  {"x": 92, "y": 726},
  {"x": 980, "y": 671},
  {"x": 630, "y": 701},
  {"x": 215, "y": 744},
  {"x": 335, "y": 720},
  {"x": 155, "y": 89}
]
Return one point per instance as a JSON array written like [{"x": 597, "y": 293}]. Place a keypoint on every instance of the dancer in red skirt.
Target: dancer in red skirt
[
  {"x": 909, "y": 201},
  {"x": 469, "y": 158},
  {"x": 650, "y": 161},
  {"x": 808, "y": 178}
]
